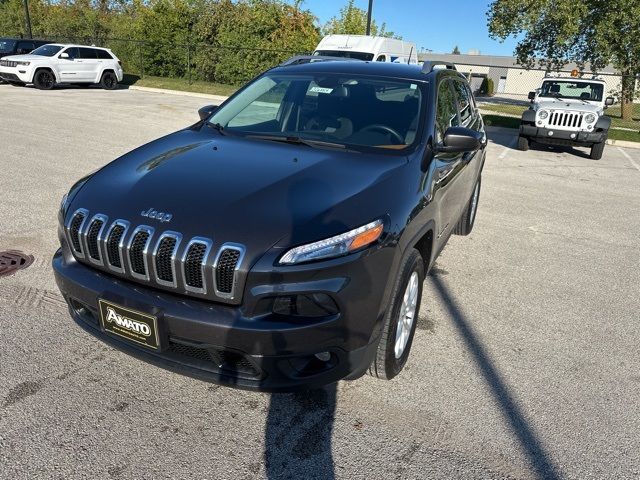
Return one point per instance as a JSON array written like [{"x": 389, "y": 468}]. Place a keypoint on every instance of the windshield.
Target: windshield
[
  {"x": 349, "y": 111},
  {"x": 573, "y": 90},
  {"x": 7, "y": 45},
  {"x": 47, "y": 50},
  {"x": 345, "y": 54}
]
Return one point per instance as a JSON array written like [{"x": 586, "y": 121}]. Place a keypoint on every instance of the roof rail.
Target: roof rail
[
  {"x": 298, "y": 59},
  {"x": 429, "y": 66}
]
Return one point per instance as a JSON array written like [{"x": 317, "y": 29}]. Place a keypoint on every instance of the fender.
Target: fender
[
  {"x": 603, "y": 123},
  {"x": 529, "y": 116},
  {"x": 56, "y": 74}
]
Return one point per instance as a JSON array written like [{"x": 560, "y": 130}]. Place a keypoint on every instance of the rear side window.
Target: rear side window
[
  {"x": 464, "y": 101},
  {"x": 87, "y": 53},
  {"x": 26, "y": 46},
  {"x": 447, "y": 112},
  {"x": 103, "y": 55}
]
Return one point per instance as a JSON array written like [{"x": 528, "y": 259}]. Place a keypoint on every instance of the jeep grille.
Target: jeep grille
[
  {"x": 159, "y": 259},
  {"x": 565, "y": 119},
  {"x": 8, "y": 63}
]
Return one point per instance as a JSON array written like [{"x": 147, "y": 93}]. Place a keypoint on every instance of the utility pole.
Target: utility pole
[
  {"x": 28, "y": 18},
  {"x": 368, "y": 16}
]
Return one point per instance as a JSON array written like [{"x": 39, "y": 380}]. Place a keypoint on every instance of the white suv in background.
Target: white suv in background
[{"x": 53, "y": 64}]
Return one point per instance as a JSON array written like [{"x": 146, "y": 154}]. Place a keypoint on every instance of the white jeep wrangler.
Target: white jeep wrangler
[{"x": 567, "y": 111}]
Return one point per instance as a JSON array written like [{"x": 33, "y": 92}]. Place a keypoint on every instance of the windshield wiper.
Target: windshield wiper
[
  {"x": 297, "y": 141},
  {"x": 218, "y": 127}
]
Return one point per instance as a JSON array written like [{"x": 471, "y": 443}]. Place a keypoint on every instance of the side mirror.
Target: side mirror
[
  {"x": 609, "y": 101},
  {"x": 532, "y": 95},
  {"x": 64, "y": 55},
  {"x": 460, "y": 139},
  {"x": 206, "y": 111}
]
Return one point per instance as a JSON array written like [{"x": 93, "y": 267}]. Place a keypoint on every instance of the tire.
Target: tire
[
  {"x": 468, "y": 218},
  {"x": 597, "y": 149},
  {"x": 395, "y": 346},
  {"x": 109, "y": 81},
  {"x": 523, "y": 143},
  {"x": 44, "y": 79}
]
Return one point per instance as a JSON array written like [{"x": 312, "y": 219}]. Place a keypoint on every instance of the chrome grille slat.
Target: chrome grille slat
[{"x": 162, "y": 259}]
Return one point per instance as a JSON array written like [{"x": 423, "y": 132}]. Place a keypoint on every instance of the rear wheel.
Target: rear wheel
[
  {"x": 44, "y": 80},
  {"x": 400, "y": 319},
  {"x": 597, "y": 150},
  {"x": 109, "y": 81},
  {"x": 468, "y": 218},
  {"x": 523, "y": 143}
]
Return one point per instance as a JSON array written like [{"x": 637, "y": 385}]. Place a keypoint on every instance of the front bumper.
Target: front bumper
[
  {"x": 236, "y": 345},
  {"x": 562, "y": 137},
  {"x": 16, "y": 74}
]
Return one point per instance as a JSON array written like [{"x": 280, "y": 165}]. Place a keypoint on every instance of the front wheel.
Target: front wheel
[
  {"x": 109, "y": 81},
  {"x": 400, "y": 319},
  {"x": 44, "y": 80},
  {"x": 523, "y": 143},
  {"x": 597, "y": 150}
]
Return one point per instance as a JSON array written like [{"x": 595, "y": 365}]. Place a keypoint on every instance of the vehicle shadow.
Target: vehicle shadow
[
  {"x": 298, "y": 434},
  {"x": 532, "y": 446},
  {"x": 540, "y": 147}
]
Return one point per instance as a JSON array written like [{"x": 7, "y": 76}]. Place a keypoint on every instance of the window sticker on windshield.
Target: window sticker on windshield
[
  {"x": 413, "y": 86},
  {"x": 321, "y": 90}
]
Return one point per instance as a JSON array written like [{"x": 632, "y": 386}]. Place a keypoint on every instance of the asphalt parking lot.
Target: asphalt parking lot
[{"x": 525, "y": 364}]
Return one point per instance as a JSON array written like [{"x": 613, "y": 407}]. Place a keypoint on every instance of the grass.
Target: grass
[
  {"x": 513, "y": 122},
  {"x": 613, "y": 112},
  {"x": 180, "y": 84}
]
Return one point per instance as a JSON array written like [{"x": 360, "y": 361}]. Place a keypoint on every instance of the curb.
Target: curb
[
  {"x": 219, "y": 98},
  {"x": 512, "y": 131}
]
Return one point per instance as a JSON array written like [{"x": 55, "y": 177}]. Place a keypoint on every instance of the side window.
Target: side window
[
  {"x": 381, "y": 58},
  {"x": 446, "y": 112},
  {"x": 464, "y": 102},
  {"x": 103, "y": 55},
  {"x": 72, "y": 52},
  {"x": 87, "y": 53},
  {"x": 24, "y": 47}
]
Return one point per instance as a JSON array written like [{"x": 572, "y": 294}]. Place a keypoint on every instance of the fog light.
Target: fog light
[
  {"x": 551, "y": 134},
  {"x": 323, "y": 356},
  {"x": 305, "y": 305},
  {"x": 589, "y": 127},
  {"x": 573, "y": 135}
]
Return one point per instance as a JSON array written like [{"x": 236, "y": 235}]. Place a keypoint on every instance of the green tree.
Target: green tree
[
  {"x": 597, "y": 32},
  {"x": 456, "y": 50},
  {"x": 353, "y": 21}
]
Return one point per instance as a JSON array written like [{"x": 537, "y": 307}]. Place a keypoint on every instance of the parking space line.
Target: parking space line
[
  {"x": 628, "y": 157},
  {"x": 507, "y": 148}
]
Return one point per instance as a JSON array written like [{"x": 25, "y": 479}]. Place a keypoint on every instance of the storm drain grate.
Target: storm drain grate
[{"x": 12, "y": 260}]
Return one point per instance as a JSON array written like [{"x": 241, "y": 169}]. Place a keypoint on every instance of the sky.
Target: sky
[{"x": 434, "y": 25}]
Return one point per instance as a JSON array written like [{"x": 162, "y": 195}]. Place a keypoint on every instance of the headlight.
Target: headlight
[
  {"x": 24, "y": 64},
  {"x": 335, "y": 246},
  {"x": 590, "y": 118},
  {"x": 542, "y": 114}
]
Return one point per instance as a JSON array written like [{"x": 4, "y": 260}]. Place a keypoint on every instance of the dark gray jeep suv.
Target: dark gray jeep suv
[{"x": 282, "y": 241}]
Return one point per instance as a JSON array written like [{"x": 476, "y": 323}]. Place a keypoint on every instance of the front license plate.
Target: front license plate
[{"x": 130, "y": 324}]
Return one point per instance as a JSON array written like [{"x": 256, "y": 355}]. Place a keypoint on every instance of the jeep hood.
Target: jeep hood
[
  {"x": 253, "y": 192},
  {"x": 567, "y": 104},
  {"x": 24, "y": 58}
]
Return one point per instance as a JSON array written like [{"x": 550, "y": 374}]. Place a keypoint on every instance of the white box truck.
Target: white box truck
[{"x": 365, "y": 47}]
